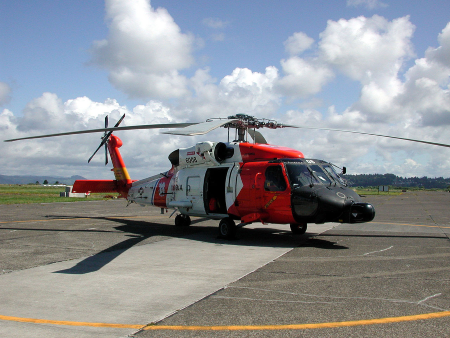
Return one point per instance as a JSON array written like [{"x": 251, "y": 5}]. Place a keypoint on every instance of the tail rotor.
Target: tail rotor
[
  {"x": 106, "y": 148},
  {"x": 105, "y": 139}
]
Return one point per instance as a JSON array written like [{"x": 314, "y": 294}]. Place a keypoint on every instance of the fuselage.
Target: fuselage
[{"x": 252, "y": 183}]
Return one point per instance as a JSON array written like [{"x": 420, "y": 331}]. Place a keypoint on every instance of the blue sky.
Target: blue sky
[{"x": 374, "y": 66}]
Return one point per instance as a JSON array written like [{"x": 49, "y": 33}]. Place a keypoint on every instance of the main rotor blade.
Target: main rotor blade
[
  {"x": 257, "y": 136},
  {"x": 144, "y": 126},
  {"x": 200, "y": 128},
  {"x": 371, "y": 134}
]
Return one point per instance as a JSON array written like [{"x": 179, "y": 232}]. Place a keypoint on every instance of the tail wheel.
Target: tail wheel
[
  {"x": 227, "y": 228},
  {"x": 299, "y": 228},
  {"x": 182, "y": 220}
]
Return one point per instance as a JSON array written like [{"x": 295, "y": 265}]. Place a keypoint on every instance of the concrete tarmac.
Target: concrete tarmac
[
  {"x": 92, "y": 269},
  {"x": 71, "y": 265}
]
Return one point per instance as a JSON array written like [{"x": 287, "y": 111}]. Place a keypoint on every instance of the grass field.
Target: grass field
[
  {"x": 24, "y": 194},
  {"x": 393, "y": 191},
  {"x": 374, "y": 191}
]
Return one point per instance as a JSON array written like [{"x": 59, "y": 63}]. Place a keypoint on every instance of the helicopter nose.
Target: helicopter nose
[
  {"x": 360, "y": 213},
  {"x": 346, "y": 207},
  {"x": 330, "y": 205}
]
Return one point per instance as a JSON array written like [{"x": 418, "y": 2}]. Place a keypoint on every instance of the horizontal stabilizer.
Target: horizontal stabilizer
[{"x": 93, "y": 186}]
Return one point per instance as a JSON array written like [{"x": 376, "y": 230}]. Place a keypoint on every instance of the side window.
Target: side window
[{"x": 274, "y": 179}]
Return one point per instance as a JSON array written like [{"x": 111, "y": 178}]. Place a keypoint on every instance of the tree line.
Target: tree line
[{"x": 373, "y": 180}]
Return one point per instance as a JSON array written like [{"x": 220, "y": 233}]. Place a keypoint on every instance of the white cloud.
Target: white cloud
[
  {"x": 441, "y": 54},
  {"x": 369, "y": 4},
  {"x": 298, "y": 43},
  {"x": 5, "y": 93},
  {"x": 145, "y": 152},
  {"x": 427, "y": 85},
  {"x": 436, "y": 63},
  {"x": 42, "y": 113},
  {"x": 303, "y": 77},
  {"x": 250, "y": 91},
  {"x": 243, "y": 91},
  {"x": 367, "y": 49},
  {"x": 215, "y": 23},
  {"x": 144, "y": 45},
  {"x": 429, "y": 101},
  {"x": 379, "y": 104},
  {"x": 142, "y": 84},
  {"x": 373, "y": 52},
  {"x": 7, "y": 123},
  {"x": 218, "y": 37}
]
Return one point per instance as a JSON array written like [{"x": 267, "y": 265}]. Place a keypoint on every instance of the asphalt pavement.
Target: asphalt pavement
[{"x": 100, "y": 269}]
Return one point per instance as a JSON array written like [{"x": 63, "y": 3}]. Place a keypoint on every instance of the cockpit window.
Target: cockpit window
[
  {"x": 300, "y": 175},
  {"x": 329, "y": 169},
  {"x": 318, "y": 171}
]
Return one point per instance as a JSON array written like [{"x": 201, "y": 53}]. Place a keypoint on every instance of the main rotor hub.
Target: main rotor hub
[
  {"x": 243, "y": 123},
  {"x": 251, "y": 122}
]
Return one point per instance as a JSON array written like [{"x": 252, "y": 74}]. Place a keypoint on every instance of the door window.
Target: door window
[
  {"x": 193, "y": 186},
  {"x": 274, "y": 179}
]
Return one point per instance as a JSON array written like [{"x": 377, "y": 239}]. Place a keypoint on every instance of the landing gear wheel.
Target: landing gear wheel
[
  {"x": 299, "y": 229},
  {"x": 227, "y": 228},
  {"x": 182, "y": 220}
]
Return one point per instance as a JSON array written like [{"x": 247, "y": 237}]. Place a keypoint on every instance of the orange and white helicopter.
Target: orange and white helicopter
[{"x": 236, "y": 181}]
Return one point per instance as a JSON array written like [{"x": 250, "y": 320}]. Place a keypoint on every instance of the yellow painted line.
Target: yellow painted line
[
  {"x": 43, "y": 220},
  {"x": 74, "y": 219},
  {"x": 303, "y": 326},
  {"x": 68, "y": 323},
  {"x": 235, "y": 327},
  {"x": 415, "y": 225}
]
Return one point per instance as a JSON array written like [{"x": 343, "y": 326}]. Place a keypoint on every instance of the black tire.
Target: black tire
[
  {"x": 299, "y": 229},
  {"x": 227, "y": 228},
  {"x": 182, "y": 220}
]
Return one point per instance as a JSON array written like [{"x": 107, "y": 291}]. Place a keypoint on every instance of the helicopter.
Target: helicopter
[{"x": 237, "y": 182}]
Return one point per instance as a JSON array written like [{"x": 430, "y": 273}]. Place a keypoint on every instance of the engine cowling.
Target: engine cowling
[{"x": 202, "y": 153}]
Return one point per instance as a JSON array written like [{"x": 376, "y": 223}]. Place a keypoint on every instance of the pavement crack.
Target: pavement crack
[
  {"x": 274, "y": 300},
  {"x": 369, "y": 253},
  {"x": 335, "y": 298}
]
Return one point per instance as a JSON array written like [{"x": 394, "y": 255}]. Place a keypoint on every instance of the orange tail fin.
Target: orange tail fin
[{"x": 121, "y": 184}]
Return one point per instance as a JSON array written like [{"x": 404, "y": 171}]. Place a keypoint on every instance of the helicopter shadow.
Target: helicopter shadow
[
  {"x": 137, "y": 231},
  {"x": 140, "y": 232},
  {"x": 102, "y": 258}
]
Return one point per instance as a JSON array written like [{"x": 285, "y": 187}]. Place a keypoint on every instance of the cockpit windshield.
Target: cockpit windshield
[
  {"x": 300, "y": 175},
  {"x": 320, "y": 173},
  {"x": 311, "y": 173},
  {"x": 331, "y": 172}
]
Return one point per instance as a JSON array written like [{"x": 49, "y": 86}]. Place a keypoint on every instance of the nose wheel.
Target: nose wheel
[
  {"x": 299, "y": 228},
  {"x": 182, "y": 220}
]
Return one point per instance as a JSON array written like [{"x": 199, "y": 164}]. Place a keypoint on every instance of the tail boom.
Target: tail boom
[{"x": 102, "y": 186}]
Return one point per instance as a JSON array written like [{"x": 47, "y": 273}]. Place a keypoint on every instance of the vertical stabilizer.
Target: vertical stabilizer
[
  {"x": 121, "y": 184},
  {"x": 120, "y": 170}
]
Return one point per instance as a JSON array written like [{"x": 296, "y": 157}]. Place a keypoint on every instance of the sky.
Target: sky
[{"x": 364, "y": 65}]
